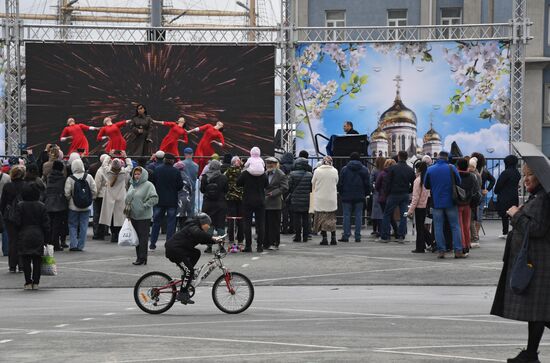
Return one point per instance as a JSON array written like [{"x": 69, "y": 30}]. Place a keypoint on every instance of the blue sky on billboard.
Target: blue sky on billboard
[{"x": 463, "y": 88}]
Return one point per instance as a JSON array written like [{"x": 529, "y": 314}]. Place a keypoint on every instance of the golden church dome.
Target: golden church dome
[
  {"x": 379, "y": 134},
  {"x": 398, "y": 113},
  {"x": 431, "y": 135}
]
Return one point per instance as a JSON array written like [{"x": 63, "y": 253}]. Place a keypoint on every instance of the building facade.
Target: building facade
[{"x": 536, "y": 123}]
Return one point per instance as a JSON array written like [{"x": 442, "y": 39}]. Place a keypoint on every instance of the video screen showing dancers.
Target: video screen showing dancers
[{"x": 144, "y": 97}]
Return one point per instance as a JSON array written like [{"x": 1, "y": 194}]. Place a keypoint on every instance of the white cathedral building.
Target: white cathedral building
[{"x": 396, "y": 132}]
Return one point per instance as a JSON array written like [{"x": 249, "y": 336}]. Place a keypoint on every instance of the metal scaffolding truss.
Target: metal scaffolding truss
[
  {"x": 284, "y": 37},
  {"x": 365, "y": 34}
]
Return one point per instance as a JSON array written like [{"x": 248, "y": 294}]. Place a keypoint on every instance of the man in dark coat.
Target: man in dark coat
[
  {"x": 276, "y": 188},
  {"x": 214, "y": 186},
  {"x": 33, "y": 224},
  {"x": 181, "y": 249},
  {"x": 168, "y": 182},
  {"x": 56, "y": 204},
  {"x": 398, "y": 186},
  {"x": 353, "y": 187},
  {"x": 287, "y": 162},
  {"x": 300, "y": 189},
  {"x": 253, "y": 205},
  {"x": 506, "y": 190},
  {"x": 348, "y": 128}
]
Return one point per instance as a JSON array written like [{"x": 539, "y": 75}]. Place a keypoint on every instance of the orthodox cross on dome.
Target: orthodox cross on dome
[{"x": 398, "y": 79}]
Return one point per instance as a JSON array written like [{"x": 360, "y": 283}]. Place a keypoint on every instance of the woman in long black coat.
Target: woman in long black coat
[
  {"x": 11, "y": 194},
  {"x": 140, "y": 139},
  {"x": 33, "y": 224},
  {"x": 506, "y": 190},
  {"x": 56, "y": 204},
  {"x": 533, "y": 305},
  {"x": 214, "y": 187}
]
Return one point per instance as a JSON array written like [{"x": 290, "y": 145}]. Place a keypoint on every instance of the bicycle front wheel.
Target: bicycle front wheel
[
  {"x": 232, "y": 293},
  {"x": 154, "y": 292}
]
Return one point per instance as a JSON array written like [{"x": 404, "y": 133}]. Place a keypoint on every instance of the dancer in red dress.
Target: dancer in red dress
[
  {"x": 212, "y": 134},
  {"x": 176, "y": 134},
  {"x": 112, "y": 132},
  {"x": 75, "y": 132}
]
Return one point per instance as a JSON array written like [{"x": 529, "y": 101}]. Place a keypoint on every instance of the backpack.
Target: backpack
[
  {"x": 211, "y": 191},
  {"x": 10, "y": 208},
  {"x": 82, "y": 194}
]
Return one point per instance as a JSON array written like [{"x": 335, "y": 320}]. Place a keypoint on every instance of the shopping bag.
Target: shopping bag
[
  {"x": 128, "y": 235},
  {"x": 49, "y": 267}
]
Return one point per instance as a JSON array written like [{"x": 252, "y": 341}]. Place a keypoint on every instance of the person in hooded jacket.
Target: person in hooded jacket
[
  {"x": 100, "y": 230},
  {"x": 112, "y": 208},
  {"x": 214, "y": 187},
  {"x": 56, "y": 204},
  {"x": 141, "y": 198},
  {"x": 506, "y": 190},
  {"x": 287, "y": 227},
  {"x": 33, "y": 224},
  {"x": 11, "y": 194},
  {"x": 469, "y": 183},
  {"x": 300, "y": 189},
  {"x": 78, "y": 217},
  {"x": 353, "y": 186}
]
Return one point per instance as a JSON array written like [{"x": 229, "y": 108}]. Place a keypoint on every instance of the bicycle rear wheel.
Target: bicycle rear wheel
[
  {"x": 234, "y": 294},
  {"x": 153, "y": 292}
]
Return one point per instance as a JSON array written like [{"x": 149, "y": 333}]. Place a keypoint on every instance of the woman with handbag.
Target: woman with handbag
[
  {"x": 532, "y": 304},
  {"x": 418, "y": 206},
  {"x": 140, "y": 199}
]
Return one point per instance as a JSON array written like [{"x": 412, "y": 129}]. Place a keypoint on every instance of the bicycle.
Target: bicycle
[{"x": 155, "y": 292}]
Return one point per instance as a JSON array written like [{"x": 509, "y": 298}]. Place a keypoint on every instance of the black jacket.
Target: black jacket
[
  {"x": 9, "y": 193},
  {"x": 33, "y": 227},
  {"x": 400, "y": 178},
  {"x": 168, "y": 182},
  {"x": 55, "y": 192},
  {"x": 354, "y": 182},
  {"x": 487, "y": 177},
  {"x": 287, "y": 162},
  {"x": 253, "y": 188},
  {"x": 469, "y": 183},
  {"x": 506, "y": 187},
  {"x": 216, "y": 208},
  {"x": 190, "y": 235},
  {"x": 299, "y": 185}
]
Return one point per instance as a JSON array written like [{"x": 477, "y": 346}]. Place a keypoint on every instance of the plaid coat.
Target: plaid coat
[{"x": 534, "y": 304}]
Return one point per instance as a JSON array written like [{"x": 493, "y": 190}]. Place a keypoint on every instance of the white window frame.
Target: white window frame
[
  {"x": 335, "y": 35},
  {"x": 449, "y": 20},
  {"x": 396, "y": 22}
]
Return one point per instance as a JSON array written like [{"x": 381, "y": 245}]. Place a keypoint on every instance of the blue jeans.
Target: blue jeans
[
  {"x": 78, "y": 222},
  {"x": 4, "y": 241},
  {"x": 357, "y": 207},
  {"x": 158, "y": 214},
  {"x": 439, "y": 221},
  {"x": 393, "y": 201}
]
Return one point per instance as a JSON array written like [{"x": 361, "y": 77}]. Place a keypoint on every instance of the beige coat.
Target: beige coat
[
  {"x": 100, "y": 181},
  {"x": 113, "y": 204},
  {"x": 323, "y": 184}
]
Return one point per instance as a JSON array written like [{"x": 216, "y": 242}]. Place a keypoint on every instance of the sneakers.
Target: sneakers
[
  {"x": 27, "y": 287},
  {"x": 503, "y": 236},
  {"x": 400, "y": 240},
  {"x": 184, "y": 298},
  {"x": 524, "y": 357},
  {"x": 441, "y": 255},
  {"x": 474, "y": 245},
  {"x": 152, "y": 248},
  {"x": 35, "y": 286},
  {"x": 382, "y": 240},
  {"x": 461, "y": 255}
]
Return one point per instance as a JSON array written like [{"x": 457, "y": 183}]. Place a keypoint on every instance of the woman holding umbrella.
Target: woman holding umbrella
[{"x": 533, "y": 305}]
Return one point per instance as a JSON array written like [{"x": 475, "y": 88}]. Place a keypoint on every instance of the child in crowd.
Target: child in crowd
[{"x": 255, "y": 165}]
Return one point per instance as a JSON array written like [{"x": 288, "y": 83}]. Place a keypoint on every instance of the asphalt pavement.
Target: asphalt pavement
[{"x": 354, "y": 302}]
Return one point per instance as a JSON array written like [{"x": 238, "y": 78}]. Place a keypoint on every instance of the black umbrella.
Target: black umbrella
[{"x": 537, "y": 162}]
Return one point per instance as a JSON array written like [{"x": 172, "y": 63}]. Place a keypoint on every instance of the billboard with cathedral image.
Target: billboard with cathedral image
[{"x": 406, "y": 96}]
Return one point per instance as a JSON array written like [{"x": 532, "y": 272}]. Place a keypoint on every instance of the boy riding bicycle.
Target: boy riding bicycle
[{"x": 181, "y": 249}]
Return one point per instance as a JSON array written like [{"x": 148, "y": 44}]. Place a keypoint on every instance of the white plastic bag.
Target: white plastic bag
[
  {"x": 127, "y": 235},
  {"x": 48, "y": 267}
]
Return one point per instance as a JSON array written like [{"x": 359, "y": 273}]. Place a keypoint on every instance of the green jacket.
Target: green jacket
[
  {"x": 235, "y": 193},
  {"x": 141, "y": 196}
]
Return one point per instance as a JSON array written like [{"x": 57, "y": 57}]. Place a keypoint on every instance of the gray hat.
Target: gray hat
[
  {"x": 204, "y": 218},
  {"x": 271, "y": 159}
]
